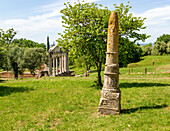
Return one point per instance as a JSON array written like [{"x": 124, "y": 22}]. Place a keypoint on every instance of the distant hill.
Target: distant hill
[{"x": 142, "y": 44}]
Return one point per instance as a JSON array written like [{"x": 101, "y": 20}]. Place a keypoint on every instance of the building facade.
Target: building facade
[{"x": 58, "y": 61}]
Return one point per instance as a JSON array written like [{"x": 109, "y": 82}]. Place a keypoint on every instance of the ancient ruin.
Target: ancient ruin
[
  {"x": 58, "y": 60},
  {"x": 111, "y": 94}
]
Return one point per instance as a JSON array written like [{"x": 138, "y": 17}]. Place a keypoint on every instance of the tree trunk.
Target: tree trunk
[
  {"x": 99, "y": 81},
  {"x": 88, "y": 67},
  {"x": 15, "y": 68}
]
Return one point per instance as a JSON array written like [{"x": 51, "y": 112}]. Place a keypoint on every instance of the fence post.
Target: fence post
[{"x": 145, "y": 70}]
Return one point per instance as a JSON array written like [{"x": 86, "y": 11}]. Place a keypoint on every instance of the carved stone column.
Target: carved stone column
[
  {"x": 60, "y": 65},
  {"x": 56, "y": 65},
  {"x": 67, "y": 63},
  {"x": 110, "y": 94},
  {"x": 50, "y": 64}
]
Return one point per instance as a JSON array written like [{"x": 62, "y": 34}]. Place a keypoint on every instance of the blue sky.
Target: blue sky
[{"x": 36, "y": 19}]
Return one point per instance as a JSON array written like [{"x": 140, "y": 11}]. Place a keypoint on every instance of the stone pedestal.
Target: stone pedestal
[
  {"x": 111, "y": 95},
  {"x": 110, "y": 102}
]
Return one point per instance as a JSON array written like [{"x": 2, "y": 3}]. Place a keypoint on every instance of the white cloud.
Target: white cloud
[
  {"x": 157, "y": 15},
  {"x": 157, "y": 22},
  {"x": 48, "y": 22},
  {"x": 35, "y": 28},
  {"x": 38, "y": 27}
]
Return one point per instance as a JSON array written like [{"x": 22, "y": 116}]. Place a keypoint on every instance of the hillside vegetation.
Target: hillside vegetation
[
  {"x": 71, "y": 103},
  {"x": 161, "y": 65}
]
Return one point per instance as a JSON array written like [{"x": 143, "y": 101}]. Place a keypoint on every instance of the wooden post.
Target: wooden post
[{"x": 145, "y": 70}]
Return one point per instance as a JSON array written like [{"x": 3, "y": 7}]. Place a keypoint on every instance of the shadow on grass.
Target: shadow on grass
[
  {"x": 136, "y": 61},
  {"x": 1, "y": 81},
  {"x": 5, "y": 90},
  {"x": 132, "y": 110},
  {"x": 135, "y": 84},
  {"x": 93, "y": 71}
]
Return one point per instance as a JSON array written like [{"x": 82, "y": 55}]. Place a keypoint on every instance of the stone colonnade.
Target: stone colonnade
[{"x": 59, "y": 62}]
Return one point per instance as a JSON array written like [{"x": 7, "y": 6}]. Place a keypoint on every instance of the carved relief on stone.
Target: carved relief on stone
[
  {"x": 109, "y": 104},
  {"x": 107, "y": 94}
]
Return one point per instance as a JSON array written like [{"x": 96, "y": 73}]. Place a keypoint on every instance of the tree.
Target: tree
[
  {"x": 1, "y": 57},
  {"x": 128, "y": 52},
  {"x": 48, "y": 43},
  {"x": 18, "y": 54},
  {"x": 147, "y": 49},
  {"x": 28, "y": 43},
  {"x": 86, "y": 30},
  {"x": 6, "y": 37},
  {"x": 161, "y": 45},
  {"x": 165, "y": 38},
  {"x": 33, "y": 58},
  {"x": 159, "y": 48},
  {"x": 84, "y": 61},
  {"x": 15, "y": 59},
  {"x": 168, "y": 48},
  {"x": 20, "y": 58}
]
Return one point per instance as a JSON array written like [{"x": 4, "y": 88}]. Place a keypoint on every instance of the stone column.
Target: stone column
[
  {"x": 56, "y": 65},
  {"x": 60, "y": 65},
  {"x": 67, "y": 63},
  {"x": 110, "y": 94},
  {"x": 50, "y": 64}
]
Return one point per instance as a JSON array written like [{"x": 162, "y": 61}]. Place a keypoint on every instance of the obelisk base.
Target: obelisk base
[{"x": 109, "y": 102}]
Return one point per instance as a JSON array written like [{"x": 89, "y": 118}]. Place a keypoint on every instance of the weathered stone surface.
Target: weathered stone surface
[{"x": 110, "y": 94}]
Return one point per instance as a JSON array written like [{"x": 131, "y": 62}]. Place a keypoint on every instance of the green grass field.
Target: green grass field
[{"x": 71, "y": 103}]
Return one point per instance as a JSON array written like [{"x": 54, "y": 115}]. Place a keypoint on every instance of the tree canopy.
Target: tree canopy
[
  {"x": 147, "y": 49},
  {"x": 6, "y": 37},
  {"x": 18, "y": 54},
  {"x": 165, "y": 38},
  {"x": 168, "y": 47},
  {"x": 161, "y": 46},
  {"x": 33, "y": 58},
  {"x": 86, "y": 28},
  {"x": 28, "y": 43},
  {"x": 15, "y": 59}
]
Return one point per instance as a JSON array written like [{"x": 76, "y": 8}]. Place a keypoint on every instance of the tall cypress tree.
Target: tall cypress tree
[{"x": 48, "y": 43}]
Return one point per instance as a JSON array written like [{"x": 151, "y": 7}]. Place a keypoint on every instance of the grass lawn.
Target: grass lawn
[{"x": 71, "y": 103}]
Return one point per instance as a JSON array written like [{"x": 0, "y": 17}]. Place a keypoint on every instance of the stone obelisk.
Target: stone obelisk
[{"x": 111, "y": 94}]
